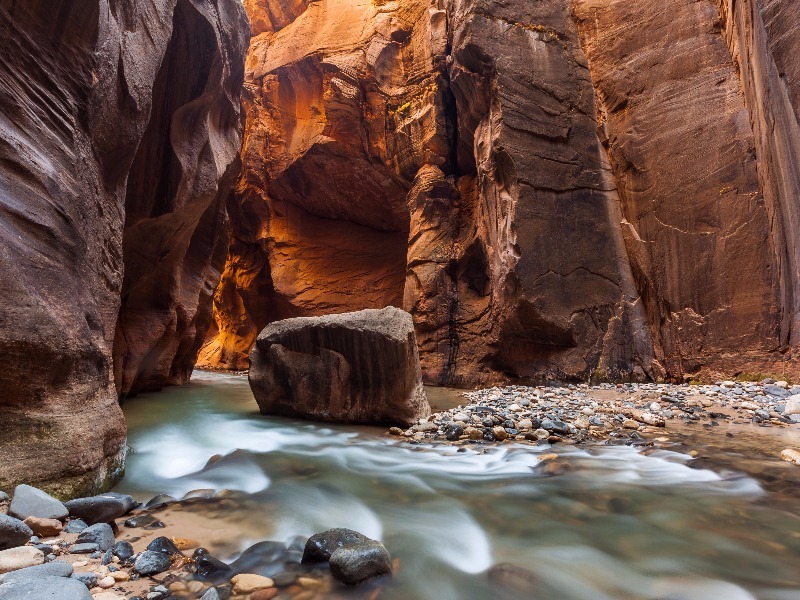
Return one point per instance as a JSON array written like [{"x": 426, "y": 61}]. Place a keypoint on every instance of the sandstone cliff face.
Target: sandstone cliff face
[
  {"x": 111, "y": 158},
  {"x": 588, "y": 188}
]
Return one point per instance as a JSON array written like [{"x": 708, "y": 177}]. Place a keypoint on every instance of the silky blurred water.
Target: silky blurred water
[{"x": 615, "y": 524}]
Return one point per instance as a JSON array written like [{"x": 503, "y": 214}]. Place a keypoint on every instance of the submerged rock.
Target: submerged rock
[
  {"x": 353, "y": 557},
  {"x": 321, "y": 546},
  {"x": 355, "y": 564},
  {"x": 359, "y": 367}
]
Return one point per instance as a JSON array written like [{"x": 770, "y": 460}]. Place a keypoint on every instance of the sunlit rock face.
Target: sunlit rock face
[
  {"x": 554, "y": 189},
  {"x": 345, "y": 102},
  {"x": 120, "y": 125}
]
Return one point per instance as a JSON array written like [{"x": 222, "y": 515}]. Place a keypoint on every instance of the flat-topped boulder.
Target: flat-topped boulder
[{"x": 358, "y": 367}]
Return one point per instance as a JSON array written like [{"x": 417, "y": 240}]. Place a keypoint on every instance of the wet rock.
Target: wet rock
[
  {"x": 357, "y": 563},
  {"x": 56, "y": 568},
  {"x": 159, "y": 501},
  {"x": 512, "y": 577},
  {"x": 453, "y": 432},
  {"x": 150, "y": 563},
  {"x": 20, "y": 558},
  {"x": 210, "y": 594},
  {"x": 101, "y": 509},
  {"x": 29, "y": 501},
  {"x": 101, "y": 534},
  {"x": 211, "y": 568},
  {"x": 45, "y": 588},
  {"x": 320, "y": 546},
  {"x": 164, "y": 545},
  {"x": 266, "y": 559},
  {"x": 44, "y": 527},
  {"x": 359, "y": 367},
  {"x": 122, "y": 550},
  {"x": 140, "y": 521},
  {"x": 13, "y": 532}
]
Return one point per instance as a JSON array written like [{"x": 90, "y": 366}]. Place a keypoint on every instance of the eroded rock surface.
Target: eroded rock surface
[
  {"x": 555, "y": 189},
  {"x": 359, "y": 367},
  {"x": 120, "y": 122}
]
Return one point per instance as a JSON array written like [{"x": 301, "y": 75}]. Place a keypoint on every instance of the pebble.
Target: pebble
[
  {"x": 44, "y": 527},
  {"x": 247, "y": 583},
  {"x": 87, "y": 548},
  {"x": 106, "y": 582},
  {"x": 578, "y": 413},
  {"x": 791, "y": 456}
]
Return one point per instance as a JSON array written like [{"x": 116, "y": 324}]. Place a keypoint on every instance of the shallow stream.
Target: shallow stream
[{"x": 610, "y": 523}]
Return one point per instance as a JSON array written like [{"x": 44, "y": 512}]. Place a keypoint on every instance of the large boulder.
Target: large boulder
[{"x": 359, "y": 367}]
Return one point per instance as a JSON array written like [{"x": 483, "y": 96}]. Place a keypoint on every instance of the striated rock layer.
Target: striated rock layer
[
  {"x": 558, "y": 189},
  {"x": 120, "y": 123}
]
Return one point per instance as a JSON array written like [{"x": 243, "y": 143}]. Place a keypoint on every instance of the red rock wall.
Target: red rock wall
[
  {"x": 90, "y": 188},
  {"x": 589, "y": 188}
]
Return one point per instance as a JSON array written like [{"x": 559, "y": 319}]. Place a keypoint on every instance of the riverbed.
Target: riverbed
[{"x": 611, "y": 522}]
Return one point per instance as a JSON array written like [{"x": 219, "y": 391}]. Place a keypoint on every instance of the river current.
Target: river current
[{"x": 611, "y": 523}]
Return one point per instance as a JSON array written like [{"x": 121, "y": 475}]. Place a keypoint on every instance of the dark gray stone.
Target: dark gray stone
[
  {"x": 774, "y": 390},
  {"x": 355, "y": 564},
  {"x": 164, "y": 545},
  {"x": 45, "y": 588},
  {"x": 29, "y": 501},
  {"x": 56, "y": 568},
  {"x": 100, "y": 534},
  {"x": 86, "y": 548},
  {"x": 87, "y": 579},
  {"x": 122, "y": 550},
  {"x": 150, "y": 563},
  {"x": 103, "y": 508},
  {"x": 13, "y": 532},
  {"x": 75, "y": 526},
  {"x": 320, "y": 546}
]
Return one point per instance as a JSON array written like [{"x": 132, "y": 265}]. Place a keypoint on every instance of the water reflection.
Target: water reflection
[{"x": 610, "y": 522}]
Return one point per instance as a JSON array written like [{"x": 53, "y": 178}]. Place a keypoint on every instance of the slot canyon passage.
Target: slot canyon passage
[{"x": 586, "y": 212}]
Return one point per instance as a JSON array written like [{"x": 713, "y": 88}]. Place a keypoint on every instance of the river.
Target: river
[{"x": 612, "y": 523}]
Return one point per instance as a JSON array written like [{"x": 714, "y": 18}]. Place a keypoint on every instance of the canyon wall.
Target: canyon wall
[
  {"x": 558, "y": 189},
  {"x": 119, "y": 133}
]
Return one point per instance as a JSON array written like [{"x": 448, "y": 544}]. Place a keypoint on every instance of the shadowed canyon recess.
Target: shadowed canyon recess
[{"x": 562, "y": 189}]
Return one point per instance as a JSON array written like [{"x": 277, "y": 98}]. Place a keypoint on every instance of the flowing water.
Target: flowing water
[{"x": 610, "y": 523}]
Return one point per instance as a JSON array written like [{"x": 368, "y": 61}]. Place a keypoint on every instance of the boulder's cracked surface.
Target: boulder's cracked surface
[
  {"x": 555, "y": 189},
  {"x": 359, "y": 367},
  {"x": 116, "y": 148}
]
